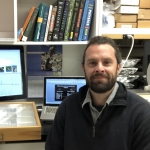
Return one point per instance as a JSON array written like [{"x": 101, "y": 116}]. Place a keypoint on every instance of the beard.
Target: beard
[{"x": 101, "y": 86}]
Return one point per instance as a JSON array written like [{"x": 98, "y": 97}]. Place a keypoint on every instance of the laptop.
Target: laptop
[{"x": 56, "y": 89}]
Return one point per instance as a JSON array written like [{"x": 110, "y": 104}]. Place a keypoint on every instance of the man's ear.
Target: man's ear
[{"x": 118, "y": 69}]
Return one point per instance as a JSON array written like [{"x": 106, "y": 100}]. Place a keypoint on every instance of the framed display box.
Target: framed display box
[{"x": 19, "y": 121}]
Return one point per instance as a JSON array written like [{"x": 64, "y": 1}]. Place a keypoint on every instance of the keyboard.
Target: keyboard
[{"x": 50, "y": 109}]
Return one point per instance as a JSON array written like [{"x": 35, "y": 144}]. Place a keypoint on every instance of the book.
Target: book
[
  {"x": 25, "y": 23},
  {"x": 48, "y": 22},
  {"x": 30, "y": 25},
  {"x": 83, "y": 20},
  {"x": 39, "y": 22},
  {"x": 64, "y": 19},
  {"x": 69, "y": 19},
  {"x": 51, "y": 24},
  {"x": 44, "y": 23},
  {"x": 74, "y": 19},
  {"x": 88, "y": 20},
  {"x": 59, "y": 14},
  {"x": 78, "y": 23}
]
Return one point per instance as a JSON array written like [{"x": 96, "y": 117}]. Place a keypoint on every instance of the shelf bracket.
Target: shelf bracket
[{"x": 126, "y": 37}]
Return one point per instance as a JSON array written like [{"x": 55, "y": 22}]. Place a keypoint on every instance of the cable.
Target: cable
[{"x": 130, "y": 37}]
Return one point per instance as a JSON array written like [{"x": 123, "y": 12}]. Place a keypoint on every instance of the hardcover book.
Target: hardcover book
[
  {"x": 44, "y": 23},
  {"x": 74, "y": 19},
  {"x": 78, "y": 23},
  {"x": 64, "y": 19},
  {"x": 26, "y": 23},
  {"x": 39, "y": 21},
  {"x": 59, "y": 14},
  {"x": 52, "y": 23},
  {"x": 30, "y": 25},
  {"x": 69, "y": 19},
  {"x": 48, "y": 22},
  {"x": 88, "y": 20},
  {"x": 83, "y": 20}
]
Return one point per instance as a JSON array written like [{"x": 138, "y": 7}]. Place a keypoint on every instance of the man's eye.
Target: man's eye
[
  {"x": 106, "y": 62},
  {"x": 92, "y": 63}
]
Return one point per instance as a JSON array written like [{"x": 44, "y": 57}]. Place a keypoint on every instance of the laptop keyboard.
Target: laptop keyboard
[{"x": 49, "y": 109}]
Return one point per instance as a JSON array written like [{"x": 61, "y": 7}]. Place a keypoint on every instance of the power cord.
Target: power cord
[{"x": 129, "y": 37}]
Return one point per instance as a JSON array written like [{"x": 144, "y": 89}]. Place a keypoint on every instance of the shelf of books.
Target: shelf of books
[
  {"x": 57, "y": 22},
  {"x": 63, "y": 22}
]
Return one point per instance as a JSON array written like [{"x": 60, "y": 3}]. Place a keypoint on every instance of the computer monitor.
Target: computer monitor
[{"x": 12, "y": 73}]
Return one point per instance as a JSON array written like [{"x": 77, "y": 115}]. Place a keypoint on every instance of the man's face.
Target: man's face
[{"x": 100, "y": 67}]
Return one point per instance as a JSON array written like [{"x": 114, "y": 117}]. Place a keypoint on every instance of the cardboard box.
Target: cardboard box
[
  {"x": 126, "y": 25},
  {"x": 144, "y": 14},
  {"x": 143, "y": 24},
  {"x": 125, "y": 18},
  {"x": 128, "y": 10},
  {"x": 144, "y": 4},
  {"x": 19, "y": 121},
  {"x": 127, "y": 2}
]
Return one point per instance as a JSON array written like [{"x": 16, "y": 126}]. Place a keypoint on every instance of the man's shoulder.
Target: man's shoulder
[
  {"x": 135, "y": 99},
  {"x": 134, "y": 95}
]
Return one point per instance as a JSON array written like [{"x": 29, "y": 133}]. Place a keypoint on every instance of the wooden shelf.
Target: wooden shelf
[
  {"x": 117, "y": 33},
  {"x": 11, "y": 42},
  {"x": 53, "y": 43}
]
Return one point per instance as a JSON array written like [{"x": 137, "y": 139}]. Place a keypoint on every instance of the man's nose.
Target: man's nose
[{"x": 99, "y": 67}]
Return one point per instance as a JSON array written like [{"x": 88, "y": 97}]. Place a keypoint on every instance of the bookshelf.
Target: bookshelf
[
  {"x": 19, "y": 10},
  {"x": 16, "y": 12},
  {"x": 117, "y": 33}
]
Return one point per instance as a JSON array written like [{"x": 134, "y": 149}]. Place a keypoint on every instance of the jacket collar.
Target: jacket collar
[{"x": 118, "y": 100}]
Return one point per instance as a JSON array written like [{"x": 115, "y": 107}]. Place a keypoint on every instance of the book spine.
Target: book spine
[
  {"x": 39, "y": 22},
  {"x": 74, "y": 19},
  {"x": 52, "y": 22},
  {"x": 30, "y": 25},
  {"x": 78, "y": 23},
  {"x": 83, "y": 20},
  {"x": 48, "y": 22},
  {"x": 64, "y": 19},
  {"x": 69, "y": 19},
  {"x": 26, "y": 23},
  {"x": 88, "y": 20},
  {"x": 43, "y": 26},
  {"x": 60, "y": 8}
]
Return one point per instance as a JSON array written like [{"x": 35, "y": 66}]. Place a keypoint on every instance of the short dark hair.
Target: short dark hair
[{"x": 104, "y": 40}]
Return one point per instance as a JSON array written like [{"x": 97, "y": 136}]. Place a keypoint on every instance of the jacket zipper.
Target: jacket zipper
[{"x": 93, "y": 133}]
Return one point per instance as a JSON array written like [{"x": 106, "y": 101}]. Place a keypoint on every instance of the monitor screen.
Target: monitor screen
[
  {"x": 12, "y": 72},
  {"x": 56, "y": 89}
]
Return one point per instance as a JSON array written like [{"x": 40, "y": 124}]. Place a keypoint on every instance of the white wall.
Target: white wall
[{"x": 72, "y": 57}]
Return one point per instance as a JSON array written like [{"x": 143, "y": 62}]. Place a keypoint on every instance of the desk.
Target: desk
[
  {"x": 28, "y": 145},
  {"x": 23, "y": 146}
]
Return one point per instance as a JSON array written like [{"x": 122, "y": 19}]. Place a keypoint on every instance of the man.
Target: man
[{"x": 103, "y": 115}]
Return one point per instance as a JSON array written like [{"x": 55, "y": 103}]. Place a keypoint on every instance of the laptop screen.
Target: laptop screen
[{"x": 58, "y": 88}]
